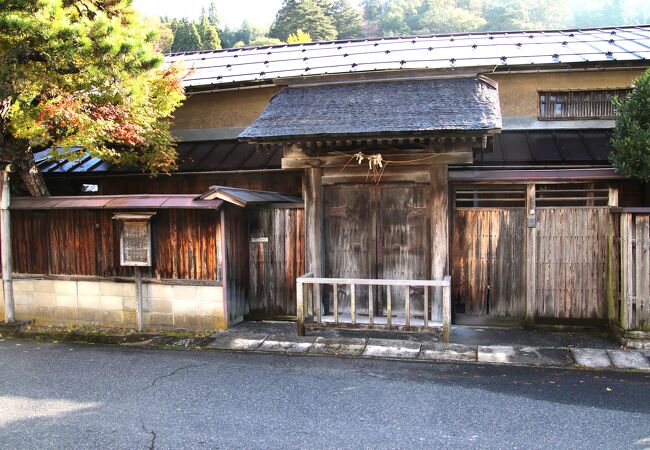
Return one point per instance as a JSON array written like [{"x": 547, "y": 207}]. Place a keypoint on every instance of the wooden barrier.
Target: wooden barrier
[
  {"x": 634, "y": 310},
  {"x": 373, "y": 319}
]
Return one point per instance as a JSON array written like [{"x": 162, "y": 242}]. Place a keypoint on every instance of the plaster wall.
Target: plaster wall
[
  {"x": 112, "y": 303},
  {"x": 222, "y": 109},
  {"x": 518, "y": 94}
]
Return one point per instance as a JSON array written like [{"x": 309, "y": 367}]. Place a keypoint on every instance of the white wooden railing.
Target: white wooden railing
[{"x": 310, "y": 308}]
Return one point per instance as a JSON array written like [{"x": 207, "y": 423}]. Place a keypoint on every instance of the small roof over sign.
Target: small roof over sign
[{"x": 245, "y": 197}]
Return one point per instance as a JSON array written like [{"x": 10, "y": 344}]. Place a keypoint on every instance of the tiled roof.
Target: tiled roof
[
  {"x": 413, "y": 107},
  {"x": 192, "y": 157},
  {"x": 513, "y": 49}
]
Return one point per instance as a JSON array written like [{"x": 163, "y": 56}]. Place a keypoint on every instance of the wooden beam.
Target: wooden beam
[
  {"x": 416, "y": 159},
  {"x": 439, "y": 205},
  {"x": 313, "y": 195},
  {"x": 356, "y": 174}
]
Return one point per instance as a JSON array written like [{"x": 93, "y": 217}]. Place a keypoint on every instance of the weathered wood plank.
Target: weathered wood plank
[
  {"x": 642, "y": 316},
  {"x": 462, "y": 157}
]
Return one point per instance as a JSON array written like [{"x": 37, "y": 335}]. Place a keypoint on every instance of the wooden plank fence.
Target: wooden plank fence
[{"x": 634, "y": 308}]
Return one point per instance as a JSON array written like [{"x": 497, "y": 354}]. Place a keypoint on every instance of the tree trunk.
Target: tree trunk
[{"x": 33, "y": 180}]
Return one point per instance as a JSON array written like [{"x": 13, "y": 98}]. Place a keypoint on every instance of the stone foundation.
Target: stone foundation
[{"x": 111, "y": 303}]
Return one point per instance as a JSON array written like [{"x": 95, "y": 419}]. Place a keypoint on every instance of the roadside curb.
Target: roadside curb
[{"x": 368, "y": 348}]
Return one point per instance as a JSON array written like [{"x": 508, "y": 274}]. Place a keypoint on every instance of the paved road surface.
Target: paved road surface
[{"x": 68, "y": 396}]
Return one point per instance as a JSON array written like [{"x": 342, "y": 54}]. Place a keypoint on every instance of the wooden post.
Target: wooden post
[
  {"x": 446, "y": 311},
  {"x": 139, "y": 314},
  {"x": 389, "y": 313},
  {"x": 300, "y": 308},
  {"x": 353, "y": 304},
  {"x": 371, "y": 306},
  {"x": 407, "y": 307},
  {"x": 5, "y": 242},
  {"x": 313, "y": 195},
  {"x": 642, "y": 269},
  {"x": 439, "y": 205},
  {"x": 336, "y": 303},
  {"x": 531, "y": 255},
  {"x": 426, "y": 306},
  {"x": 627, "y": 271},
  {"x": 612, "y": 259}
]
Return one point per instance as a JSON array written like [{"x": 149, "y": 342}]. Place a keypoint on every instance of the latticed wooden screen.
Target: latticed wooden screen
[
  {"x": 136, "y": 244},
  {"x": 596, "y": 104}
]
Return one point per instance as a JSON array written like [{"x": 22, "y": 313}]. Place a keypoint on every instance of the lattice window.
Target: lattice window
[
  {"x": 493, "y": 196},
  {"x": 568, "y": 195},
  {"x": 595, "y": 104}
]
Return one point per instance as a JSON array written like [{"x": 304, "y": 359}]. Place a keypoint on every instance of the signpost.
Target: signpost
[{"x": 135, "y": 251}]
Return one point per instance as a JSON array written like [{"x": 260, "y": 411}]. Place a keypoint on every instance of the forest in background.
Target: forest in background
[{"x": 319, "y": 20}]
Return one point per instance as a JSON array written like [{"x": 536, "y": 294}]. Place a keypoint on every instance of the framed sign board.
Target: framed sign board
[{"x": 135, "y": 240}]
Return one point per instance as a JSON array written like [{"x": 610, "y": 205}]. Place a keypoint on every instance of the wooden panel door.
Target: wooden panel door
[
  {"x": 403, "y": 243},
  {"x": 377, "y": 231}
]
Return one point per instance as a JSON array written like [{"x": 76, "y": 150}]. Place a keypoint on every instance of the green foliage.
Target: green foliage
[
  {"x": 311, "y": 16},
  {"x": 83, "y": 74},
  {"x": 208, "y": 33},
  {"x": 186, "y": 36},
  {"x": 347, "y": 19},
  {"x": 631, "y": 136},
  {"x": 298, "y": 37}
]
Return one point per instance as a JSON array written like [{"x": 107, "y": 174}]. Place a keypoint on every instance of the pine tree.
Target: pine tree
[
  {"x": 307, "y": 15},
  {"x": 83, "y": 80},
  {"x": 208, "y": 33},
  {"x": 186, "y": 36},
  {"x": 347, "y": 19}
]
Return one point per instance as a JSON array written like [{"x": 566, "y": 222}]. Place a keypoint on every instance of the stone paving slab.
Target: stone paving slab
[
  {"x": 495, "y": 353},
  {"x": 339, "y": 346},
  {"x": 247, "y": 342},
  {"x": 392, "y": 348},
  {"x": 593, "y": 358},
  {"x": 448, "y": 352},
  {"x": 287, "y": 344},
  {"x": 528, "y": 356},
  {"x": 629, "y": 359}
]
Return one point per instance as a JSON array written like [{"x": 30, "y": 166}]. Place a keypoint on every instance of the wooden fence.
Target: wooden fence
[
  {"x": 633, "y": 309},
  {"x": 86, "y": 242}
]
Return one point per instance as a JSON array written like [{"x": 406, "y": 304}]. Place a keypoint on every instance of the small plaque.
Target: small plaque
[
  {"x": 136, "y": 244},
  {"x": 260, "y": 239}
]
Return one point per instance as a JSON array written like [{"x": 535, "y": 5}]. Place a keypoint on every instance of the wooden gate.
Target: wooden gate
[
  {"x": 539, "y": 251},
  {"x": 571, "y": 263},
  {"x": 377, "y": 232},
  {"x": 488, "y": 251},
  {"x": 276, "y": 240}
]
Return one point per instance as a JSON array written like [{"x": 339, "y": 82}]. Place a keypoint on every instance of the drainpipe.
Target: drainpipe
[{"x": 5, "y": 243}]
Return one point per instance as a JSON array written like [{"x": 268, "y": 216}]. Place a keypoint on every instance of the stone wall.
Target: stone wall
[{"x": 112, "y": 303}]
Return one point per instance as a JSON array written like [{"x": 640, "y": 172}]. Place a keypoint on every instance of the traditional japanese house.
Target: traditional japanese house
[{"x": 481, "y": 157}]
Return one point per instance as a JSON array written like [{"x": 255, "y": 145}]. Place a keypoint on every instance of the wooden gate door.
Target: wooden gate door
[
  {"x": 488, "y": 252},
  {"x": 571, "y": 262},
  {"x": 377, "y": 231}
]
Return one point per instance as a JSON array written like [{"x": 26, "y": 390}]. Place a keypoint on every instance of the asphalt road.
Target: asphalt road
[{"x": 69, "y": 396}]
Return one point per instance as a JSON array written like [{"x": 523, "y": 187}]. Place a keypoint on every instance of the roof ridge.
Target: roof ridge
[{"x": 405, "y": 36}]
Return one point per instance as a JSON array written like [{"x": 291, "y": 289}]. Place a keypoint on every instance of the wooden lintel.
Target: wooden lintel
[{"x": 418, "y": 159}]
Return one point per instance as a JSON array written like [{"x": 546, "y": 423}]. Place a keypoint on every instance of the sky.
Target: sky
[{"x": 231, "y": 13}]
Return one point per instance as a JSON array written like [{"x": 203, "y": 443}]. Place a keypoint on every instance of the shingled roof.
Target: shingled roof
[
  {"x": 413, "y": 107},
  {"x": 258, "y": 65}
]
